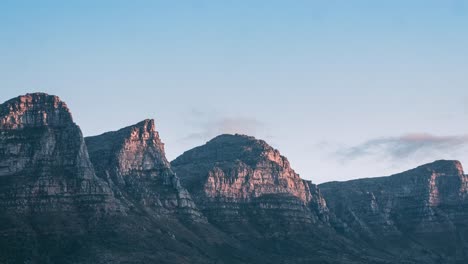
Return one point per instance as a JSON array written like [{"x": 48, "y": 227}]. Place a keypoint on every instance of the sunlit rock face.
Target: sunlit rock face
[
  {"x": 247, "y": 189},
  {"x": 422, "y": 212},
  {"x": 49, "y": 193},
  {"x": 133, "y": 162},
  {"x": 54, "y": 209},
  {"x": 34, "y": 110},
  {"x": 124, "y": 203},
  {"x": 237, "y": 178},
  {"x": 44, "y": 164}
]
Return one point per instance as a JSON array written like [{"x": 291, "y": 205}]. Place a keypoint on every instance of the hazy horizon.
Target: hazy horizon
[{"x": 343, "y": 90}]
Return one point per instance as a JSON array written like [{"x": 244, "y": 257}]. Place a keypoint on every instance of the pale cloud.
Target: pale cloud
[
  {"x": 208, "y": 126},
  {"x": 405, "y": 146}
]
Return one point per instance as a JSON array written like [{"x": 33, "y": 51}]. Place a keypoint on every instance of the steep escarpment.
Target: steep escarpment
[
  {"x": 248, "y": 190},
  {"x": 235, "y": 171},
  {"x": 47, "y": 183},
  {"x": 133, "y": 162},
  {"x": 54, "y": 209},
  {"x": 419, "y": 213},
  {"x": 163, "y": 224},
  {"x": 114, "y": 198},
  {"x": 44, "y": 164}
]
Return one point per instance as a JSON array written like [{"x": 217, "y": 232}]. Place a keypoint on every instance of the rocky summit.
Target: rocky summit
[
  {"x": 133, "y": 162},
  {"x": 232, "y": 174},
  {"x": 249, "y": 190},
  {"x": 55, "y": 209},
  {"x": 420, "y": 214},
  {"x": 115, "y": 198},
  {"x": 44, "y": 164},
  {"x": 48, "y": 187}
]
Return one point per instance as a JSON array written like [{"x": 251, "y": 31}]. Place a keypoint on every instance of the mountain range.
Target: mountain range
[{"x": 115, "y": 198}]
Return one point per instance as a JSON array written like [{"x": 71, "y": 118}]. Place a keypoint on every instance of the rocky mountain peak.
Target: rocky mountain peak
[
  {"x": 144, "y": 130},
  {"x": 136, "y": 147},
  {"x": 240, "y": 140},
  {"x": 241, "y": 158},
  {"x": 34, "y": 110},
  {"x": 424, "y": 206},
  {"x": 68, "y": 199},
  {"x": 133, "y": 161},
  {"x": 228, "y": 148},
  {"x": 234, "y": 138},
  {"x": 43, "y": 158},
  {"x": 443, "y": 167},
  {"x": 241, "y": 173},
  {"x": 247, "y": 189}
]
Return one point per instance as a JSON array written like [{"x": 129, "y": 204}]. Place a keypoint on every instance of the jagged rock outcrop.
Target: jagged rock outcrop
[
  {"x": 247, "y": 189},
  {"x": 133, "y": 162},
  {"x": 44, "y": 164},
  {"x": 234, "y": 175},
  {"x": 421, "y": 213},
  {"x": 48, "y": 187},
  {"x": 233, "y": 200},
  {"x": 54, "y": 209}
]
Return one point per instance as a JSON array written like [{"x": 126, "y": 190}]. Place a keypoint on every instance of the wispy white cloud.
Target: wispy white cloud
[
  {"x": 207, "y": 125},
  {"x": 405, "y": 146}
]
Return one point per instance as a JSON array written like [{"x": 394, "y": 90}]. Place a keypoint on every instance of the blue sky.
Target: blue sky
[{"x": 344, "y": 89}]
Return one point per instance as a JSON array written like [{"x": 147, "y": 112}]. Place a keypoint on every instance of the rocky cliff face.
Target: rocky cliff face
[
  {"x": 133, "y": 162},
  {"x": 243, "y": 203},
  {"x": 248, "y": 190},
  {"x": 54, "y": 209},
  {"x": 233, "y": 174},
  {"x": 44, "y": 164},
  {"x": 419, "y": 213},
  {"x": 47, "y": 183}
]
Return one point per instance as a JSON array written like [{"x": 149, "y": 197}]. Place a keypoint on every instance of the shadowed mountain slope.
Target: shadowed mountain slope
[
  {"x": 247, "y": 189},
  {"x": 114, "y": 198},
  {"x": 421, "y": 213},
  {"x": 54, "y": 209},
  {"x": 133, "y": 162}
]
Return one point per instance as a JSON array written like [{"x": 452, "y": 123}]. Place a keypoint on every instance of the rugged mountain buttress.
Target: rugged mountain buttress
[
  {"x": 419, "y": 214},
  {"x": 43, "y": 160},
  {"x": 232, "y": 174},
  {"x": 54, "y": 209},
  {"x": 133, "y": 162},
  {"x": 233, "y": 200},
  {"x": 247, "y": 189},
  {"x": 47, "y": 183}
]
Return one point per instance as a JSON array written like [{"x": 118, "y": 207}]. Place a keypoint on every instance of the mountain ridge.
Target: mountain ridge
[
  {"x": 116, "y": 198},
  {"x": 132, "y": 159},
  {"x": 424, "y": 208}
]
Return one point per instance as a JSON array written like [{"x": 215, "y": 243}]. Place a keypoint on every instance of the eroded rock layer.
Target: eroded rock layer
[
  {"x": 54, "y": 209},
  {"x": 48, "y": 188},
  {"x": 234, "y": 177},
  {"x": 133, "y": 162},
  {"x": 233, "y": 200},
  {"x": 44, "y": 164},
  {"x": 421, "y": 213},
  {"x": 248, "y": 190}
]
